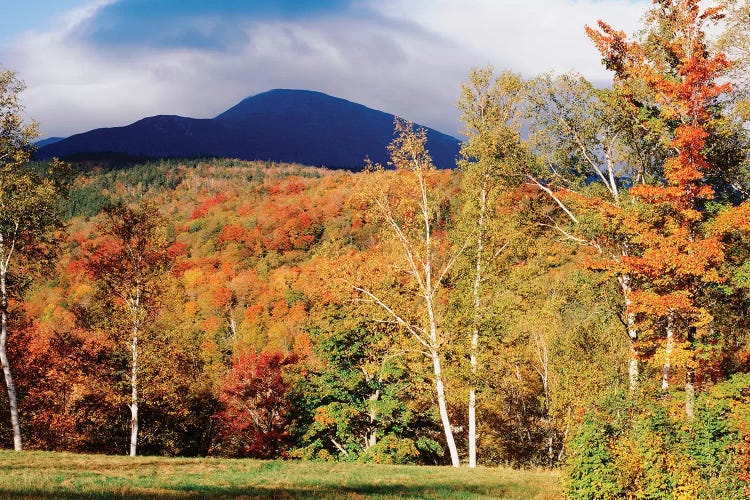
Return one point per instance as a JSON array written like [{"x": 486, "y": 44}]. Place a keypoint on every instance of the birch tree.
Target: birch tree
[
  {"x": 493, "y": 160},
  {"x": 29, "y": 214},
  {"x": 407, "y": 204},
  {"x": 594, "y": 145},
  {"x": 128, "y": 267}
]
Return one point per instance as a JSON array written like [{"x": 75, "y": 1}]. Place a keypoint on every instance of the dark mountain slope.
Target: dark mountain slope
[
  {"x": 280, "y": 125},
  {"x": 46, "y": 142}
]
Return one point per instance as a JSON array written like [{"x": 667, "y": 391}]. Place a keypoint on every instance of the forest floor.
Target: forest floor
[{"x": 45, "y": 475}]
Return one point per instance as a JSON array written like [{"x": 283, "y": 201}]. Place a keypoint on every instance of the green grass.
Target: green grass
[{"x": 44, "y": 475}]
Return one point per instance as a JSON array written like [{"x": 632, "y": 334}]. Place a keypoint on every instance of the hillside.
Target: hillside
[
  {"x": 46, "y": 142},
  {"x": 261, "y": 259},
  {"x": 296, "y": 126}
]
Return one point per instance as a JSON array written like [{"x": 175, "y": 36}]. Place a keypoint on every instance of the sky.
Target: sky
[{"x": 102, "y": 63}]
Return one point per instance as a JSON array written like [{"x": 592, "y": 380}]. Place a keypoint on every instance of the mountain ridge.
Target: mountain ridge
[{"x": 285, "y": 125}]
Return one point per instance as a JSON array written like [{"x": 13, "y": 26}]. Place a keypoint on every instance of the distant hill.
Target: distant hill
[
  {"x": 282, "y": 125},
  {"x": 48, "y": 141}
]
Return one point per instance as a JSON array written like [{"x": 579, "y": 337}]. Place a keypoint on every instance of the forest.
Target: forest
[{"x": 572, "y": 295}]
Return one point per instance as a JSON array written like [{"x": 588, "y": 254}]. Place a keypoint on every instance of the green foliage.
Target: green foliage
[
  {"x": 641, "y": 449},
  {"x": 590, "y": 471},
  {"x": 354, "y": 407}
]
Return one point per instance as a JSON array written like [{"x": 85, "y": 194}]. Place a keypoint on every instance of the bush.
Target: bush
[{"x": 657, "y": 453}]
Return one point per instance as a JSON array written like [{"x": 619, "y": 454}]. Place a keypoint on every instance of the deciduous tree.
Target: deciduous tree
[
  {"x": 414, "y": 222},
  {"x": 29, "y": 215},
  {"x": 677, "y": 258},
  {"x": 128, "y": 266},
  {"x": 493, "y": 160},
  {"x": 256, "y": 414}
]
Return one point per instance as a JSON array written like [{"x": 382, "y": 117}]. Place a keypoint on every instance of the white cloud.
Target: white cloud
[
  {"x": 409, "y": 58},
  {"x": 527, "y": 36}
]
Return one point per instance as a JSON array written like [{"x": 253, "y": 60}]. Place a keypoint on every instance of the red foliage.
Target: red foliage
[
  {"x": 177, "y": 249},
  {"x": 207, "y": 205},
  {"x": 256, "y": 414},
  {"x": 294, "y": 187},
  {"x": 676, "y": 257},
  {"x": 233, "y": 233}
]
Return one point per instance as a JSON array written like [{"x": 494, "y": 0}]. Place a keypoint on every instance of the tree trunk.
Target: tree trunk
[
  {"x": 134, "y": 395},
  {"x": 633, "y": 368},
  {"x": 472, "y": 427},
  {"x": 445, "y": 419},
  {"x": 690, "y": 377},
  {"x": 475, "y": 333},
  {"x": 12, "y": 398},
  {"x": 668, "y": 353},
  {"x": 372, "y": 434}
]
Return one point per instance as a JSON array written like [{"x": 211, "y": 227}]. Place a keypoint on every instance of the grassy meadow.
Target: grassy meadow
[{"x": 45, "y": 475}]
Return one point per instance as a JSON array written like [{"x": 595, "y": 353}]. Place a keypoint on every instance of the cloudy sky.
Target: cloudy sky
[{"x": 96, "y": 63}]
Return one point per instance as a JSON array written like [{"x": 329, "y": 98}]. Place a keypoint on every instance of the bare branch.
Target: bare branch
[
  {"x": 448, "y": 267},
  {"x": 409, "y": 327},
  {"x": 554, "y": 197},
  {"x": 405, "y": 243},
  {"x": 572, "y": 237},
  {"x": 587, "y": 156}
]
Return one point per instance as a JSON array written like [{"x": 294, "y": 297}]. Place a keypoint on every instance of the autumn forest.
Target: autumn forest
[{"x": 572, "y": 295}]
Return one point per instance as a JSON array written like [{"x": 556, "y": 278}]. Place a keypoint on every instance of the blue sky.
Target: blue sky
[
  {"x": 22, "y": 15},
  {"x": 95, "y": 63}
]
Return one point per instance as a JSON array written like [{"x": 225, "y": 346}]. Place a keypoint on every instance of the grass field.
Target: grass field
[{"x": 42, "y": 475}]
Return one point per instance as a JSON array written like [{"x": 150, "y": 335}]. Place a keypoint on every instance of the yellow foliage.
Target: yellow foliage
[{"x": 191, "y": 277}]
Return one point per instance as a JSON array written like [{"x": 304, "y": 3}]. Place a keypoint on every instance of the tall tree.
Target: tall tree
[
  {"x": 128, "y": 267},
  {"x": 493, "y": 160},
  {"x": 677, "y": 258},
  {"x": 593, "y": 144},
  {"x": 29, "y": 214},
  {"x": 414, "y": 220}
]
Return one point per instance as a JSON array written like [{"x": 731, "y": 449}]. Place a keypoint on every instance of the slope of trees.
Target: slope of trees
[{"x": 573, "y": 297}]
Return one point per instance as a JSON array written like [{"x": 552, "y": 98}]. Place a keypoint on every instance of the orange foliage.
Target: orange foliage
[
  {"x": 207, "y": 205},
  {"x": 676, "y": 258}
]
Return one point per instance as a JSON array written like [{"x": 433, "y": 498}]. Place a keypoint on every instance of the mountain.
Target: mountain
[
  {"x": 282, "y": 125},
  {"x": 48, "y": 141}
]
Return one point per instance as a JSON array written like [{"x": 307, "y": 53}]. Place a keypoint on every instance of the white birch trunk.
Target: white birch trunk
[
  {"x": 372, "y": 435},
  {"x": 475, "y": 333},
  {"x": 12, "y": 397},
  {"x": 134, "y": 394},
  {"x": 443, "y": 408},
  {"x": 633, "y": 368},
  {"x": 668, "y": 353},
  {"x": 6, "y": 253},
  {"x": 472, "y": 427},
  {"x": 439, "y": 386}
]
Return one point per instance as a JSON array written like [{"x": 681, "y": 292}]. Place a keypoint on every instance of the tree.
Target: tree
[
  {"x": 594, "y": 143},
  {"x": 493, "y": 160},
  {"x": 127, "y": 268},
  {"x": 256, "y": 414},
  {"x": 15, "y": 136},
  {"x": 29, "y": 215},
  {"x": 677, "y": 258},
  {"x": 735, "y": 42},
  {"x": 411, "y": 214},
  {"x": 357, "y": 401}
]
